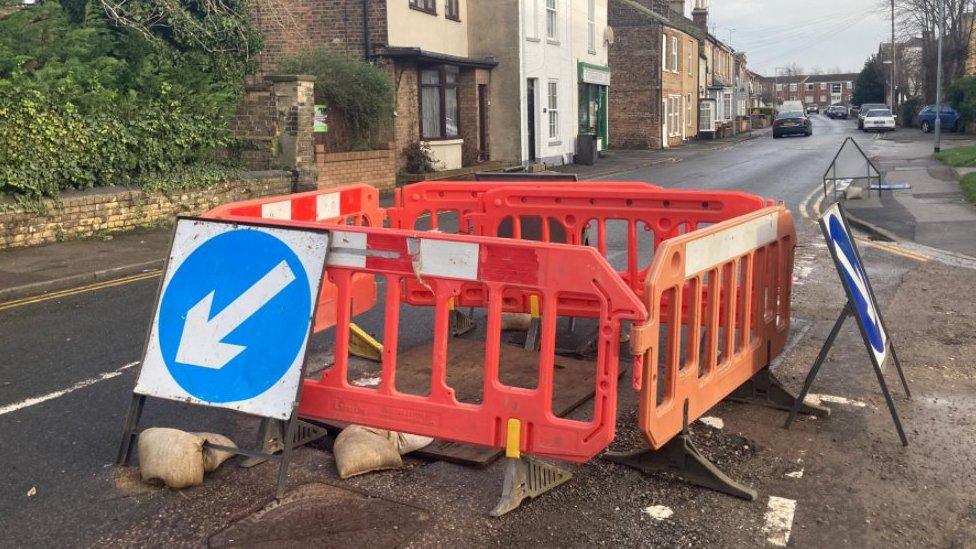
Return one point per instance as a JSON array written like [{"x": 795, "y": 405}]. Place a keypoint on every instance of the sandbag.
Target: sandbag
[
  {"x": 516, "y": 322},
  {"x": 171, "y": 457},
  {"x": 360, "y": 450}
]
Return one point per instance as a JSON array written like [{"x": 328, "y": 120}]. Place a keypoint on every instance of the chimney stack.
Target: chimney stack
[
  {"x": 678, "y": 7},
  {"x": 700, "y": 14}
]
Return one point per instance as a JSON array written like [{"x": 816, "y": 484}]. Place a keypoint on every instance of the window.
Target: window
[
  {"x": 792, "y": 87},
  {"x": 688, "y": 116},
  {"x": 690, "y": 48},
  {"x": 552, "y": 29},
  {"x": 452, "y": 9},
  {"x": 553, "y": 109},
  {"x": 835, "y": 88},
  {"x": 439, "y": 102},
  {"x": 779, "y": 87},
  {"x": 674, "y": 53},
  {"x": 664, "y": 52},
  {"x": 428, "y": 6},
  {"x": 532, "y": 19},
  {"x": 809, "y": 87},
  {"x": 591, "y": 25},
  {"x": 728, "y": 106},
  {"x": 823, "y": 85},
  {"x": 675, "y": 115},
  {"x": 808, "y": 99}
]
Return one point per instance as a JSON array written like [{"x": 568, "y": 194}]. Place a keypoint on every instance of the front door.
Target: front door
[{"x": 530, "y": 114}]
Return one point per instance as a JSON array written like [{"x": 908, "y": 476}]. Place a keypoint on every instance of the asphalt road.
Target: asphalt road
[{"x": 57, "y": 449}]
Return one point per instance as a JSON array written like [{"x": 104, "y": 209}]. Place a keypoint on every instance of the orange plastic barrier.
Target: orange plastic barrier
[
  {"x": 443, "y": 264},
  {"x": 718, "y": 302},
  {"x": 356, "y": 205},
  {"x": 429, "y": 199}
]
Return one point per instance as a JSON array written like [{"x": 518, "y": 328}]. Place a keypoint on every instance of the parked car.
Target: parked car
[
  {"x": 813, "y": 109},
  {"x": 836, "y": 112},
  {"x": 865, "y": 109},
  {"x": 792, "y": 123},
  {"x": 879, "y": 120},
  {"x": 949, "y": 116}
]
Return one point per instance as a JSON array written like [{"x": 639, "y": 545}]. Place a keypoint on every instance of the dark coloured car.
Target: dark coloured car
[
  {"x": 949, "y": 116},
  {"x": 792, "y": 123},
  {"x": 837, "y": 112},
  {"x": 813, "y": 109}
]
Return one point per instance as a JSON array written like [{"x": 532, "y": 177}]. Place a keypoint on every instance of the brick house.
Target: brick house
[
  {"x": 442, "y": 93},
  {"x": 822, "y": 90},
  {"x": 656, "y": 60}
]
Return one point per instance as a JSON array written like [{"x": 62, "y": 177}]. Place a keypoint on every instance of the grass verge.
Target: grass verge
[
  {"x": 958, "y": 157},
  {"x": 968, "y": 184}
]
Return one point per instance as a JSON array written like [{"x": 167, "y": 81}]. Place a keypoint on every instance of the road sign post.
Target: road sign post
[
  {"x": 231, "y": 325},
  {"x": 862, "y": 305}
]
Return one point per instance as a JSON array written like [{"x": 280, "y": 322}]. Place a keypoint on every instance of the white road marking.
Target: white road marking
[
  {"x": 818, "y": 399},
  {"x": 658, "y": 512},
  {"x": 713, "y": 422},
  {"x": 779, "y": 520},
  {"x": 10, "y": 408},
  {"x": 796, "y": 474}
]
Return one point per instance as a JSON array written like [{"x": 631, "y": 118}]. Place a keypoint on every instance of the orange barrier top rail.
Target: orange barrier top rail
[{"x": 718, "y": 303}]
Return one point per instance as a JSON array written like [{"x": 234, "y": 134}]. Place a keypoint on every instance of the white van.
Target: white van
[{"x": 791, "y": 106}]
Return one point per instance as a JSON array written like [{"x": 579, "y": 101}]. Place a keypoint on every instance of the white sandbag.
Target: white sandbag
[
  {"x": 213, "y": 458},
  {"x": 360, "y": 450},
  {"x": 406, "y": 443},
  {"x": 516, "y": 322},
  {"x": 171, "y": 456}
]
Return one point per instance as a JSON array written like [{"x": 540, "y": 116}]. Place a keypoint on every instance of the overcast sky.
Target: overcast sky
[{"x": 824, "y": 33}]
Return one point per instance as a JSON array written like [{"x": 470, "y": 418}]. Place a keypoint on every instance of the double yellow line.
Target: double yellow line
[
  {"x": 81, "y": 289},
  {"x": 893, "y": 249}
]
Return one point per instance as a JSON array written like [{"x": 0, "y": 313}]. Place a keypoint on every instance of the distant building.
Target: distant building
[{"x": 822, "y": 90}]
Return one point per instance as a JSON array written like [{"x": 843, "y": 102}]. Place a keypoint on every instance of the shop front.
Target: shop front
[{"x": 594, "y": 88}]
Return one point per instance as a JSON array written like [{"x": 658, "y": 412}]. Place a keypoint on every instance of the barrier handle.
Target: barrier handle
[{"x": 641, "y": 341}]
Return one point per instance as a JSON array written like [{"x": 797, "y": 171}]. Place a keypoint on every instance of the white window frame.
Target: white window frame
[
  {"x": 552, "y": 105},
  {"x": 664, "y": 52},
  {"x": 532, "y": 25},
  {"x": 727, "y": 105},
  {"x": 792, "y": 87},
  {"x": 688, "y": 114},
  {"x": 690, "y": 48},
  {"x": 591, "y": 25},
  {"x": 552, "y": 20},
  {"x": 779, "y": 87},
  {"x": 674, "y": 54}
]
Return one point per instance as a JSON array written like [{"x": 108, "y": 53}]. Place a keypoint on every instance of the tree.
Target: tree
[{"x": 870, "y": 85}]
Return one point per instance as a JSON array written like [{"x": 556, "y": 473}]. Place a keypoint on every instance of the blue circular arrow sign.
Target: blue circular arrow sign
[{"x": 234, "y": 316}]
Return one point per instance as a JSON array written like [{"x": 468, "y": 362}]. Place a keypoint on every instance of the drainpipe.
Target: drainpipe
[{"x": 367, "y": 45}]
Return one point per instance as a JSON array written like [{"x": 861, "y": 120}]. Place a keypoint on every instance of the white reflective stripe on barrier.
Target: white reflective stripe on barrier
[
  {"x": 348, "y": 250},
  {"x": 706, "y": 253},
  {"x": 327, "y": 206},
  {"x": 448, "y": 259},
  {"x": 276, "y": 210}
]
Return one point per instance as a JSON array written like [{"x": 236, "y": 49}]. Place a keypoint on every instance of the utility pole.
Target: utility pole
[{"x": 938, "y": 80}]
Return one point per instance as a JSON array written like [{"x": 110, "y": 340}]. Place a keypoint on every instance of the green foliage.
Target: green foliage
[
  {"x": 870, "y": 85},
  {"x": 958, "y": 157},
  {"x": 968, "y": 185},
  {"x": 961, "y": 94},
  {"x": 909, "y": 110},
  {"x": 360, "y": 93},
  {"x": 418, "y": 159},
  {"x": 85, "y": 102}
]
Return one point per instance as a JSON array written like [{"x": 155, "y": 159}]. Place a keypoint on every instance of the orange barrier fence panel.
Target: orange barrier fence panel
[
  {"x": 443, "y": 265},
  {"x": 356, "y": 205},
  {"x": 718, "y": 302}
]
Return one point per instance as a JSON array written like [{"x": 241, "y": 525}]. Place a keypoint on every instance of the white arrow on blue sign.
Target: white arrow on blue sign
[
  {"x": 856, "y": 282},
  {"x": 232, "y": 324}
]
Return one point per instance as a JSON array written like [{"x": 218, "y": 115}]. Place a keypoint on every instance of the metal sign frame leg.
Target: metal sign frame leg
[
  {"x": 129, "y": 430},
  {"x": 824, "y": 351}
]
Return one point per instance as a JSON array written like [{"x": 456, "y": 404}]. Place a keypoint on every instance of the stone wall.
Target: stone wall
[
  {"x": 376, "y": 168},
  {"x": 83, "y": 214}
]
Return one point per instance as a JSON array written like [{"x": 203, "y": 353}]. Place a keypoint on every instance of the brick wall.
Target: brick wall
[
  {"x": 406, "y": 125},
  {"x": 376, "y": 168},
  {"x": 470, "y": 123},
  {"x": 112, "y": 209},
  {"x": 635, "y": 98},
  {"x": 288, "y": 26},
  {"x": 256, "y": 127}
]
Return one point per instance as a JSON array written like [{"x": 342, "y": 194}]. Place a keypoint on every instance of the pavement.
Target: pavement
[
  {"x": 933, "y": 212},
  {"x": 70, "y": 357}
]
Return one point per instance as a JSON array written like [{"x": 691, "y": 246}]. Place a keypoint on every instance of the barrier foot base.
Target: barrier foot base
[
  {"x": 363, "y": 345},
  {"x": 681, "y": 458},
  {"x": 526, "y": 477},
  {"x": 460, "y": 323},
  {"x": 270, "y": 439},
  {"x": 765, "y": 390}
]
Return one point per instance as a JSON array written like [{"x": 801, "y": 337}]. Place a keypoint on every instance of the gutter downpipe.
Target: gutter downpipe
[{"x": 367, "y": 45}]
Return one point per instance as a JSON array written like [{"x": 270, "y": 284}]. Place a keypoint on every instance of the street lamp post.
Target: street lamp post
[
  {"x": 894, "y": 71},
  {"x": 938, "y": 80}
]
